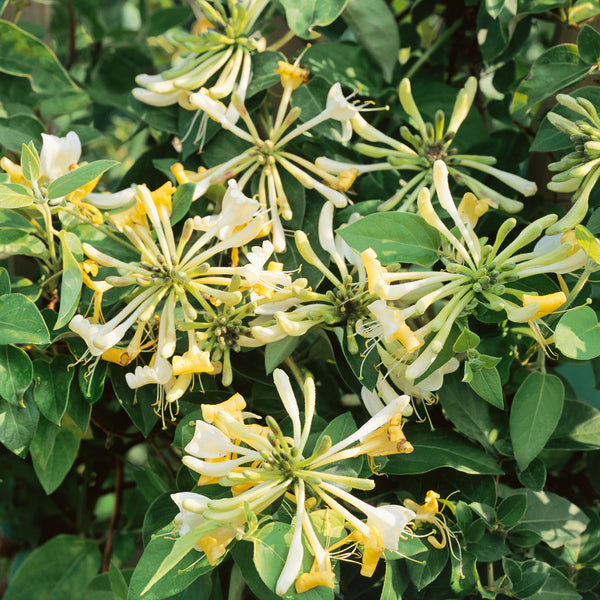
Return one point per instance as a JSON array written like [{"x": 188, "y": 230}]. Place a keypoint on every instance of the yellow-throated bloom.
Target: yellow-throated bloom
[{"x": 267, "y": 466}]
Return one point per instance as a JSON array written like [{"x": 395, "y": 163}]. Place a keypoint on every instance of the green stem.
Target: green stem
[{"x": 447, "y": 34}]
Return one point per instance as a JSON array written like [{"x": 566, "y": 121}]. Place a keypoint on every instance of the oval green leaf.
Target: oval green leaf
[{"x": 534, "y": 415}]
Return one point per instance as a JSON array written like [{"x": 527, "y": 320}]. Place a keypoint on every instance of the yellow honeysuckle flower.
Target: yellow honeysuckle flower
[
  {"x": 548, "y": 303},
  {"x": 471, "y": 209},
  {"x": 292, "y": 76},
  {"x": 193, "y": 361}
]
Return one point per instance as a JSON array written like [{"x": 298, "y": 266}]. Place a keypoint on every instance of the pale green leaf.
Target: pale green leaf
[
  {"x": 78, "y": 178},
  {"x": 13, "y": 195}
]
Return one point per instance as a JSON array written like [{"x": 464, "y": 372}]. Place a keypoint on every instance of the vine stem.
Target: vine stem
[{"x": 422, "y": 59}]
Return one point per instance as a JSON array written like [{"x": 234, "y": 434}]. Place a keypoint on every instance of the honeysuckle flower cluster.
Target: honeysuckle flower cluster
[
  {"x": 431, "y": 142},
  {"x": 262, "y": 466},
  {"x": 177, "y": 288},
  {"x": 578, "y": 171},
  {"x": 268, "y": 153},
  {"x": 473, "y": 273},
  {"x": 222, "y": 42}
]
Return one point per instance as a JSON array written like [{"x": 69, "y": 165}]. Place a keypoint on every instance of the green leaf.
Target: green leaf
[
  {"x": 91, "y": 378},
  {"x": 511, "y": 509},
  {"x": 19, "y": 129},
  {"x": 425, "y": 568},
  {"x": 534, "y": 476},
  {"x": 393, "y": 584},
  {"x": 15, "y": 242},
  {"x": 24, "y": 55},
  {"x": 52, "y": 384},
  {"x": 271, "y": 547},
  {"x": 374, "y": 27},
  {"x": 182, "y": 200},
  {"x": 30, "y": 162},
  {"x": 494, "y": 7},
  {"x": 588, "y": 45},
  {"x": 551, "y": 584},
  {"x": 58, "y": 570},
  {"x": 51, "y": 470},
  {"x": 163, "y": 19},
  {"x": 277, "y": 352},
  {"x": 137, "y": 403},
  {"x": 470, "y": 414},
  {"x": 78, "y": 178},
  {"x": 440, "y": 448},
  {"x": 486, "y": 383},
  {"x": 18, "y": 424},
  {"x": 4, "y": 282},
  {"x": 347, "y": 64},
  {"x": 21, "y": 321},
  {"x": 512, "y": 570},
  {"x": 578, "y": 428},
  {"x": 16, "y": 374},
  {"x": 395, "y": 237},
  {"x": 554, "y": 519},
  {"x": 363, "y": 364},
  {"x": 118, "y": 584},
  {"x": 577, "y": 334},
  {"x": 557, "y": 68},
  {"x": 167, "y": 567},
  {"x": 263, "y": 71},
  {"x": 534, "y": 415},
  {"x": 13, "y": 195},
  {"x": 467, "y": 340},
  {"x": 304, "y": 15},
  {"x": 72, "y": 279}
]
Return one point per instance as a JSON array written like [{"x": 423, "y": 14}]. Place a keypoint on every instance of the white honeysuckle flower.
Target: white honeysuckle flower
[
  {"x": 186, "y": 520},
  {"x": 218, "y": 469},
  {"x": 293, "y": 562},
  {"x": 120, "y": 199},
  {"x": 391, "y": 521},
  {"x": 159, "y": 373},
  {"x": 88, "y": 331},
  {"x": 210, "y": 442},
  {"x": 59, "y": 154},
  {"x": 434, "y": 382},
  {"x": 237, "y": 209},
  {"x": 371, "y": 400},
  {"x": 288, "y": 399},
  {"x": 337, "y": 106}
]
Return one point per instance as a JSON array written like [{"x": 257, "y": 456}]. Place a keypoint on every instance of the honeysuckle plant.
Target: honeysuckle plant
[{"x": 256, "y": 342}]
